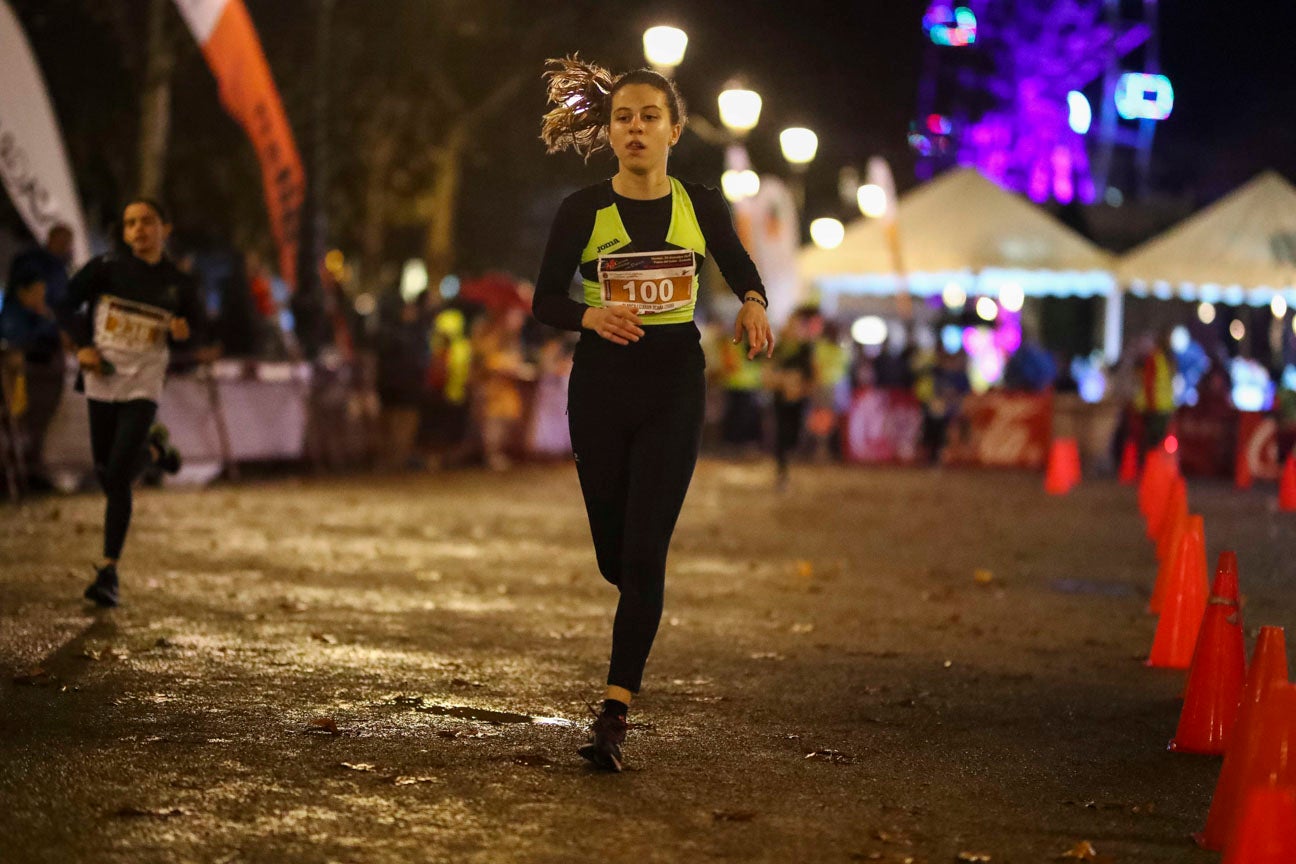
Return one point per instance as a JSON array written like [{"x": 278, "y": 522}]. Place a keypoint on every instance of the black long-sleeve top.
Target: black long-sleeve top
[
  {"x": 646, "y": 221},
  {"x": 121, "y": 274}
]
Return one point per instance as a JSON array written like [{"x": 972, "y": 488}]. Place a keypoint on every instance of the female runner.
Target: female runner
[
  {"x": 636, "y": 395},
  {"x": 120, "y": 311}
]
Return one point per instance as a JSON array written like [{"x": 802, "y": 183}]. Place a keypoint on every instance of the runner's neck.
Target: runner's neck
[{"x": 643, "y": 187}]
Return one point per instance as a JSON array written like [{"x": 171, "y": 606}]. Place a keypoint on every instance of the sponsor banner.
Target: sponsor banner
[
  {"x": 1001, "y": 430},
  {"x": 882, "y": 426},
  {"x": 1257, "y": 443},
  {"x": 1207, "y": 440},
  {"x": 33, "y": 163},
  {"x": 233, "y": 51}
]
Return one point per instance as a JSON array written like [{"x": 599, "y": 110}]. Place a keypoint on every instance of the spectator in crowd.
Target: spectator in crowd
[
  {"x": 950, "y": 384},
  {"x": 793, "y": 380},
  {"x": 500, "y": 368},
  {"x": 29, "y": 332},
  {"x": 1154, "y": 391},
  {"x": 740, "y": 380},
  {"x": 402, "y": 367},
  {"x": 549, "y": 436},
  {"x": 448, "y": 378},
  {"x": 49, "y": 262},
  {"x": 831, "y": 393},
  {"x": 1030, "y": 367}
]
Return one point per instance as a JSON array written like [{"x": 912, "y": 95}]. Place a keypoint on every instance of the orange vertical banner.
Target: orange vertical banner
[{"x": 233, "y": 51}]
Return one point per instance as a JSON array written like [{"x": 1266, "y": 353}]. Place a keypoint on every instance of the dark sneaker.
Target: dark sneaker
[
  {"x": 103, "y": 590},
  {"x": 165, "y": 456},
  {"x": 606, "y": 736}
]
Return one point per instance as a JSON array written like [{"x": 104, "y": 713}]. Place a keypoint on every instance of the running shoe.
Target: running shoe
[
  {"x": 606, "y": 737},
  {"x": 103, "y": 590},
  {"x": 168, "y": 457}
]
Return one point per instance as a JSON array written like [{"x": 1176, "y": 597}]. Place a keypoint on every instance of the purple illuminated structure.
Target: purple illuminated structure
[{"x": 1011, "y": 87}]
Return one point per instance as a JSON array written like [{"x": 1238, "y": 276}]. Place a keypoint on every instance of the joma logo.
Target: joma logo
[{"x": 608, "y": 245}]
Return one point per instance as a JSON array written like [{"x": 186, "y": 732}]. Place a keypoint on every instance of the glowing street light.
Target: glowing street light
[
  {"x": 987, "y": 309},
  {"x": 739, "y": 109},
  {"x": 1012, "y": 297},
  {"x": 664, "y": 48},
  {"x": 799, "y": 146},
  {"x": 1278, "y": 306},
  {"x": 1206, "y": 313},
  {"x": 872, "y": 200},
  {"x": 827, "y": 233},
  {"x": 738, "y": 185}
]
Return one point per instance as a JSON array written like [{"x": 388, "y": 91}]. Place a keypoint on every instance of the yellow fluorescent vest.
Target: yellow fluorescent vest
[{"x": 610, "y": 235}]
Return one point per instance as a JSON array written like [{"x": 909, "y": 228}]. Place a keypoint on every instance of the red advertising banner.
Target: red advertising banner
[
  {"x": 882, "y": 426},
  {"x": 1207, "y": 439},
  {"x": 233, "y": 51},
  {"x": 1001, "y": 430},
  {"x": 1257, "y": 443}
]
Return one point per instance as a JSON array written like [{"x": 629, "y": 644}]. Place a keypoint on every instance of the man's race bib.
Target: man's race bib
[
  {"x": 130, "y": 326},
  {"x": 648, "y": 281}
]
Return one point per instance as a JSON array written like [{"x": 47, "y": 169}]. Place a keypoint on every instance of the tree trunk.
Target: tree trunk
[
  {"x": 155, "y": 102},
  {"x": 444, "y": 199}
]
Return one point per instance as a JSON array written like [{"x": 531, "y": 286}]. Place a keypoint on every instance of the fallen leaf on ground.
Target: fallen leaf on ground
[
  {"x": 358, "y": 766},
  {"x": 973, "y": 857},
  {"x": 803, "y": 628},
  {"x": 733, "y": 815},
  {"x": 292, "y": 606},
  {"x": 326, "y": 638},
  {"x": 892, "y": 837},
  {"x": 834, "y": 756},
  {"x": 91, "y": 654},
  {"x": 1082, "y": 851},
  {"x": 982, "y": 576},
  {"x": 805, "y": 569},
  {"x": 325, "y": 724},
  {"x": 410, "y": 781},
  {"x": 133, "y": 812},
  {"x": 767, "y": 655}
]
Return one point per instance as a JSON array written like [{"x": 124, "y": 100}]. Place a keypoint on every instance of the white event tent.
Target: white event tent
[
  {"x": 1240, "y": 250},
  {"x": 965, "y": 230}
]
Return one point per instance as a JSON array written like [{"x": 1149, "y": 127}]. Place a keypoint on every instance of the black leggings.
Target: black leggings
[
  {"x": 635, "y": 429},
  {"x": 119, "y": 442},
  {"x": 789, "y": 418}
]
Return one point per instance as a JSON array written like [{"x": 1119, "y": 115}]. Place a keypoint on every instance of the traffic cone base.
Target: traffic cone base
[
  {"x": 1184, "y": 603},
  {"x": 1266, "y": 829},
  {"x": 1215, "y": 683}
]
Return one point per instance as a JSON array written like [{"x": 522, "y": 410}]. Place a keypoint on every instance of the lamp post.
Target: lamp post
[
  {"x": 799, "y": 146},
  {"x": 664, "y": 48},
  {"x": 739, "y": 112}
]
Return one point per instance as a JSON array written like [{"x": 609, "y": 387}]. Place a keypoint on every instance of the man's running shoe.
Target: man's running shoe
[
  {"x": 606, "y": 736},
  {"x": 103, "y": 590},
  {"x": 165, "y": 456}
]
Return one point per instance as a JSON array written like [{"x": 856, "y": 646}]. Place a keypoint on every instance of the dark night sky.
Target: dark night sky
[{"x": 847, "y": 69}]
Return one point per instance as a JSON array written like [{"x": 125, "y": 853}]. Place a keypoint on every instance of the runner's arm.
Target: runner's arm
[
  {"x": 722, "y": 242},
  {"x": 568, "y": 235}
]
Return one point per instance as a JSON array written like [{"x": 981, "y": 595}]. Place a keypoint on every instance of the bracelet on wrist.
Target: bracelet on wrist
[{"x": 756, "y": 298}]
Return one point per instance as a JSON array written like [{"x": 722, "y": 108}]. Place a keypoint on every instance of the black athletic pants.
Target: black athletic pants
[
  {"x": 119, "y": 442},
  {"x": 635, "y": 414}
]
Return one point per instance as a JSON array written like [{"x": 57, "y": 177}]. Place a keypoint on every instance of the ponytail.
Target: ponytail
[{"x": 580, "y": 94}]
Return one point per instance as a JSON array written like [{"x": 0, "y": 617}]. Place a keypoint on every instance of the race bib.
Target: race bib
[
  {"x": 129, "y": 325},
  {"x": 648, "y": 281}
]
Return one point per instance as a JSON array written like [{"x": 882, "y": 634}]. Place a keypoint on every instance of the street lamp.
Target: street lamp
[
  {"x": 664, "y": 48},
  {"x": 872, "y": 200},
  {"x": 799, "y": 146},
  {"x": 740, "y": 183},
  {"x": 827, "y": 233},
  {"x": 740, "y": 109}
]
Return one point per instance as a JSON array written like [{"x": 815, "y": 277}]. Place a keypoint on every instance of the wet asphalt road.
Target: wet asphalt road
[{"x": 396, "y": 669}]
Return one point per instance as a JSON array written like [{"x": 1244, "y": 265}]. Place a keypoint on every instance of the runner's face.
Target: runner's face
[
  {"x": 144, "y": 231},
  {"x": 641, "y": 132}
]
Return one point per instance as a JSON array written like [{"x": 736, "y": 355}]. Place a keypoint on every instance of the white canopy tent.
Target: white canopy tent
[
  {"x": 1241, "y": 249},
  {"x": 963, "y": 229}
]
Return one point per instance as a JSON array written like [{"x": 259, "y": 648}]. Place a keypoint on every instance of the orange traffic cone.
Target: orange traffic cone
[
  {"x": 1267, "y": 673},
  {"x": 1226, "y": 578},
  {"x": 1287, "y": 486},
  {"x": 1167, "y": 566},
  {"x": 1157, "y": 470},
  {"x": 1175, "y": 518},
  {"x": 1269, "y": 758},
  {"x": 1063, "y": 469},
  {"x": 1266, "y": 828},
  {"x": 1184, "y": 603},
  {"x": 1173, "y": 502},
  {"x": 1129, "y": 464},
  {"x": 1217, "y": 675}
]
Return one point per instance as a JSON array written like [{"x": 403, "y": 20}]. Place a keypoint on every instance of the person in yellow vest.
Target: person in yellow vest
[
  {"x": 637, "y": 392},
  {"x": 1154, "y": 393},
  {"x": 741, "y": 380}
]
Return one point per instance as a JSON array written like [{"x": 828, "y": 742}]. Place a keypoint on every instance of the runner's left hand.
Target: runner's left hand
[
  {"x": 760, "y": 338},
  {"x": 179, "y": 329}
]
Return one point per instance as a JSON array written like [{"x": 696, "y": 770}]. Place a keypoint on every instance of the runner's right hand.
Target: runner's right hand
[
  {"x": 617, "y": 324},
  {"x": 88, "y": 359}
]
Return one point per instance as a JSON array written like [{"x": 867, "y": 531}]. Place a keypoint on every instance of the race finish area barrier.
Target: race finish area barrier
[{"x": 228, "y": 412}]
